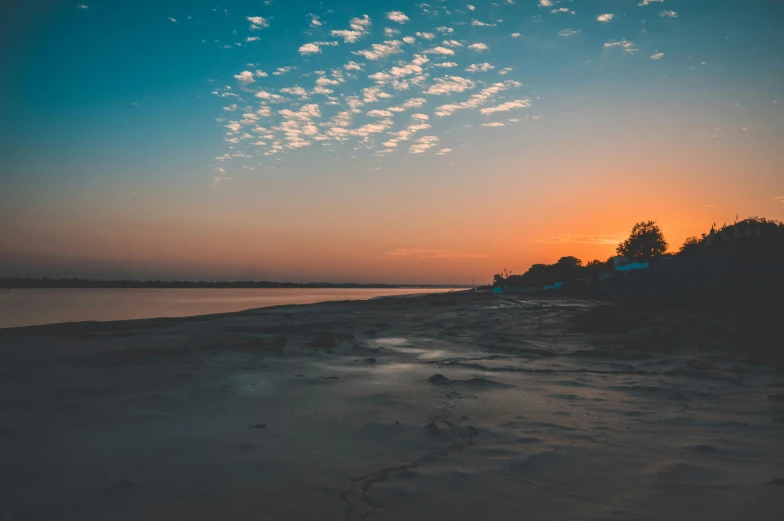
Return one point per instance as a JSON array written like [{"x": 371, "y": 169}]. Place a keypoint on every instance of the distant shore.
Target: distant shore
[{"x": 45, "y": 282}]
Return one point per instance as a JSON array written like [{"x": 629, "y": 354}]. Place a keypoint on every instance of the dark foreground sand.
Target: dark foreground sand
[{"x": 639, "y": 416}]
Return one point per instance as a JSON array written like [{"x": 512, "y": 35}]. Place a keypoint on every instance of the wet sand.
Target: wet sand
[{"x": 460, "y": 406}]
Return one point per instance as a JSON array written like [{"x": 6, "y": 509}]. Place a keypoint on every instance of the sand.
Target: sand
[{"x": 463, "y": 406}]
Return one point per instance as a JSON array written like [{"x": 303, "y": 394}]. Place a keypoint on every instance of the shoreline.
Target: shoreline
[
  {"x": 217, "y": 314},
  {"x": 373, "y": 408}
]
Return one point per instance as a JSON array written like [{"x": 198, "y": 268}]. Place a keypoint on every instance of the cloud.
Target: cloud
[
  {"x": 234, "y": 126},
  {"x": 668, "y": 14},
  {"x": 388, "y": 31},
  {"x": 470, "y": 7},
  {"x": 381, "y": 50},
  {"x": 605, "y": 17},
  {"x": 646, "y": 2},
  {"x": 217, "y": 180},
  {"x": 398, "y": 16},
  {"x": 295, "y": 91},
  {"x": 379, "y": 113},
  {"x": 515, "y": 35},
  {"x": 567, "y": 238},
  {"x": 245, "y": 77},
  {"x": 509, "y": 105},
  {"x": 494, "y": 124},
  {"x": 309, "y": 48},
  {"x": 505, "y": 71},
  {"x": 421, "y": 117},
  {"x": 568, "y": 32},
  {"x": 779, "y": 198},
  {"x": 626, "y": 45},
  {"x": 274, "y": 98},
  {"x": 258, "y": 22},
  {"x": 172, "y": 20},
  {"x": 373, "y": 94},
  {"x": 423, "y": 144},
  {"x": 283, "y": 70},
  {"x": 478, "y": 99},
  {"x": 450, "y": 84},
  {"x": 479, "y": 67},
  {"x": 231, "y": 108},
  {"x": 657, "y": 56},
  {"x": 440, "y": 50},
  {"x": 444, "y": 64},
  {"x": 314, "y": 20},
  {"x": 252, "y": 39},
  {"x": 443, "y": 151},
  {"x": 82, "y": 6},
  {"x": 353, "y": 66},
  {"x": 359, "y": 27},
  {"x": 477, "y": 23},
  {"x": 430, "y": 253},
  {"x": 305, "y": 113},
  {"x": 545, "y": 3},
  {"x": 426, "y": 36},
  {"x": 444, "y": 29},
  {"x": 479, "y": 47}
]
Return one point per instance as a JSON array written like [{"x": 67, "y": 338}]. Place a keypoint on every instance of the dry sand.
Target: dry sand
[{"x": 462, "y": 406}]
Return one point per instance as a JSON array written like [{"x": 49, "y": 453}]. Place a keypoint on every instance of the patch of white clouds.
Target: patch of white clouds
[
  {"x": 245, "y": 77},
  {"x": 314, "y": 47},
  {"x": 450, "y": 84},
  {"x": 426, "y": 36},
  {"x": 479, "y": 67},
  {"x": 314, "y": 20},
  {"x": 398, "y": 16},
  {"x": 657, "y": 56},
  {"x": 562, "y": 10},
  {"x": 477, "y": 23},
  {"x": 423, "y": 144},
  {"x": 545, "y": 3},
  {"x": 605, "y": 18},
  {"x": 668, "y": 14},
  {"x": 626, "y": 45},
  {"x": 479, "y": 47},
  {"x": 358, "y": 27},
  {"x": 493, "y": 124},
  {"x": 257, "y": 22},
  {"x": 515, "y": 35},
  {"x": 478, "y": 99},
  {"x": 509, "y": 105},
  {"x": 646, "y": 2},
  {"x": 568, "y": 32},
  {"x": 381, "y": 50},
  {"x": 440, "y": 50},
  {"x": 172, "y": 20}
]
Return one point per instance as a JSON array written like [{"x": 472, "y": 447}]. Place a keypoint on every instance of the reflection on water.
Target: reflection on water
[{"x": 27, "y": 307}]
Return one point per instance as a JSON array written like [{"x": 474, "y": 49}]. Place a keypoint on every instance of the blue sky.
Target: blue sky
[{"x": 172, "y": 105}]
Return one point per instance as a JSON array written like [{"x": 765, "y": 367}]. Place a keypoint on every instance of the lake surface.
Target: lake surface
[{"x": 28, "y": 307}]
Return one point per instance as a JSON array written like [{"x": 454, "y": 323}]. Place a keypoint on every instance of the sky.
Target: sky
[{"x": 384, "y": 141}]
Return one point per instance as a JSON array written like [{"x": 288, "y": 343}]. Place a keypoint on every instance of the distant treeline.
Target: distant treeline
[{"x": 18, "y": 283}]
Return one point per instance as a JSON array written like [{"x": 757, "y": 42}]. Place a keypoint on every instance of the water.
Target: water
[{"x": 28, "y": 307}]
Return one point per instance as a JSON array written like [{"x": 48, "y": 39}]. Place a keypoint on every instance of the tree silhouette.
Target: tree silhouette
[{"x": 645, "y": 243}]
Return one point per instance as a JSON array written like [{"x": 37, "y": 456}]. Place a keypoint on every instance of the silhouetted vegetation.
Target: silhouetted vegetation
[{"x": 646, "y": 243}]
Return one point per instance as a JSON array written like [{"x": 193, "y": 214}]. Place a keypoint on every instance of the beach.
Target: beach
[{"x": 463, "y": 405}]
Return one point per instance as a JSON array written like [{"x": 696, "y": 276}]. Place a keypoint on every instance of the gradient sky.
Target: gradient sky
[{"x": 389, "y": 141}]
